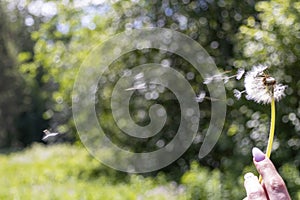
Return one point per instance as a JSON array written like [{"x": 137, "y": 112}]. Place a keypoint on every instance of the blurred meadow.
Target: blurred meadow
[{"x": 44, "y": 42}]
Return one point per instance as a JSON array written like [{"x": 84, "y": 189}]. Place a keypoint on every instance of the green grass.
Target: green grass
[{"x": 69, "y": 172}]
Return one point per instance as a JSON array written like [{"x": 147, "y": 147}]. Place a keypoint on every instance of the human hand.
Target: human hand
[{"x": 272, "y": 187}]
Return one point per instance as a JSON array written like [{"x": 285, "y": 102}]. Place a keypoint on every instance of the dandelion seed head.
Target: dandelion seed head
[{"x": 262, "y": 88}]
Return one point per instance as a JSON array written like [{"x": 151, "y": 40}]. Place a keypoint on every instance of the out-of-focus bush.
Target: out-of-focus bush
[
  {"x": 291, "y": 175},
  {"x": 201, "y": 182}
]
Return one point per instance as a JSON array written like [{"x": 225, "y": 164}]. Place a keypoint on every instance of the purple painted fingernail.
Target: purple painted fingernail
[{"x": 258, "y": 154}]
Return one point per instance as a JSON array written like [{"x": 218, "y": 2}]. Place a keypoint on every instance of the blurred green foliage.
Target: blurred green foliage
[{"x": 40, "y": 55}]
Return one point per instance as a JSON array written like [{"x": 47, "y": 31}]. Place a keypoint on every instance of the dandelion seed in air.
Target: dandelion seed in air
[
  {"x": 200, "y": 97},
  {"x": 223, "y": 77},
  {"x": 237, "y": 93},
  {"x": 240, "y": 73},
  {"x": 208, "y": 80},
  {"x": 139, "y": 86},
  {"x": 216, "y": 78},
  {"x": 48, "y": 135}
]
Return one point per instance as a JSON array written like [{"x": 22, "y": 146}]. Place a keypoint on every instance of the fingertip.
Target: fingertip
[
  {"x": 248, "y": 176},
  {"x": 258, "y": 155},
  {"x": 249, "y": 180},
  {"x": 253, "y": 187}
]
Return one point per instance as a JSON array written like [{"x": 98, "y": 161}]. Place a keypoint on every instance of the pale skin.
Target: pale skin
[{"x": 272, "y": 187}]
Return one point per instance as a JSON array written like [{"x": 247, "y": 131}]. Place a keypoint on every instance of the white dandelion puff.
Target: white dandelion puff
[{"x": 261, "y": 87}]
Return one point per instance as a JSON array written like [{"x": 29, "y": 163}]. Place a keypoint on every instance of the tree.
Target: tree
[{"x": 11, "y": 90}]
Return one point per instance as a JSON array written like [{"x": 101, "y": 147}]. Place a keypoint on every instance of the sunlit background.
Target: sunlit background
[{"x": 42, "y": 45}]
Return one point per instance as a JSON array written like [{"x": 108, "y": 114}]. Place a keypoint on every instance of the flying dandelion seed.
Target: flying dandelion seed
[
  {"x": 48, "y": 135},
  {"x": 216, "y": 78},
  {"x": 226, "y": 79},
  {"x": 139, "y": 76},
  {"x": 208, "y": 80},
  {"x": 139, "y": 86},
  {"x": 240, "y": 73},
  {"x": 223, "y": 77},
  {"x": 200, "y": 97},
  {"x": 237, "y": 93}
]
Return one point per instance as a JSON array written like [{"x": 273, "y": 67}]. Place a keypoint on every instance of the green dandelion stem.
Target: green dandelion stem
[{"x": 272, "y": 131}]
